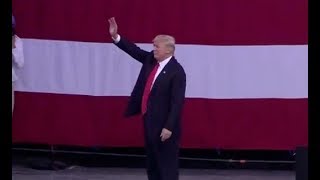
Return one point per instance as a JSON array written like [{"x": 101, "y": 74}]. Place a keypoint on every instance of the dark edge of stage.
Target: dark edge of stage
[{"x": 60, "y": 157}]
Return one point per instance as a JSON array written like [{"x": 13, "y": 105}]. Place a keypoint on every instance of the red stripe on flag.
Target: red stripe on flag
[
  {"x": 207, "y": 123},
  {"x": 213, "y": 22}
]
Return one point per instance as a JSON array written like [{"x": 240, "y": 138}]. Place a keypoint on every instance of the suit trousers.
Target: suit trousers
[{"x": 162, "y": 160}]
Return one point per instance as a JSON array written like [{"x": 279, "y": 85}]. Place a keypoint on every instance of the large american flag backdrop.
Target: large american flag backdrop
[{"x": 246, "y": 65}]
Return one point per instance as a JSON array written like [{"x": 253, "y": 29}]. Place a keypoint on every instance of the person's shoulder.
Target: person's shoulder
[
  {"x": 17, "y": 37},
  {"x": 178, "y": 67},
  {"x": 177, "y": 63},
  {"x": 18, "y": 41}
]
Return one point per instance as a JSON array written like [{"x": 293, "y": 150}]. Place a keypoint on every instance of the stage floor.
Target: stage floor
[{"x": 20, "y": 172}]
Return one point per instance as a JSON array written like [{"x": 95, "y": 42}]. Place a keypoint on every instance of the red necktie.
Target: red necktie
[{"x": 147, "y": 89}]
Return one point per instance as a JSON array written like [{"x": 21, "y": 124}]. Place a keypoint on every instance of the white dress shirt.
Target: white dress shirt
[
  {"x": 162, "y": 64},
  {"x": 17, "y": 57}
]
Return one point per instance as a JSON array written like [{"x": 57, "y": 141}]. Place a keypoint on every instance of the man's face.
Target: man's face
[
  {"x": 160, "y": 50},
  {"x": 13, "y": 41}
]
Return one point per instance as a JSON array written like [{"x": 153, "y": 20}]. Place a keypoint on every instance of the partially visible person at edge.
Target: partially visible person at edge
[{"x": 17, "y": 56}]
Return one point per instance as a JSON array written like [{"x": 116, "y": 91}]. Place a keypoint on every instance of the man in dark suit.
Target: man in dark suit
[{"x": 159, "y": 96}]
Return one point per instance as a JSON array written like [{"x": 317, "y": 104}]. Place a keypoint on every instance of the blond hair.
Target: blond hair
[{"x": 167, "y": 39}]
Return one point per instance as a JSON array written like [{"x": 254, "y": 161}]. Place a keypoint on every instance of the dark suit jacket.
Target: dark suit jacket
[{"x": 165, "y": 103}]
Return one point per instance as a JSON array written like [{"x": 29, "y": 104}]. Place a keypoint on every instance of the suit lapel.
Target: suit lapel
[{"x": 165, "y": 71}]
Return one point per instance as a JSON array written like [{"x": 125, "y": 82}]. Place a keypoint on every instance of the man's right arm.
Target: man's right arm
[{"x": 131, "y": 49}]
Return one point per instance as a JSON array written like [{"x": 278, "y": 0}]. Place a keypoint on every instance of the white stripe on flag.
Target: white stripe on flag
[{"x": 219, "y": 72}]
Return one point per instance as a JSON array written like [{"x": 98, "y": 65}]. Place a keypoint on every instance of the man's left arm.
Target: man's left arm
[{"x": 177, "y": 99}]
